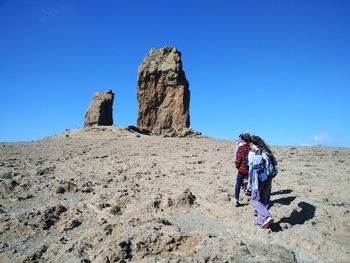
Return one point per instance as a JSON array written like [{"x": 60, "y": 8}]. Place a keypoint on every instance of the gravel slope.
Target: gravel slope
[{"x": 173, "y": 196}]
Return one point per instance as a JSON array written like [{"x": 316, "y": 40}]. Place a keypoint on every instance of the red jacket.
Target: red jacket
[{"x": 240, "y": 161}]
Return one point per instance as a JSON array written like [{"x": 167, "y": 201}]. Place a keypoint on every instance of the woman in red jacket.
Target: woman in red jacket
[{"x": 241, "y": 163}]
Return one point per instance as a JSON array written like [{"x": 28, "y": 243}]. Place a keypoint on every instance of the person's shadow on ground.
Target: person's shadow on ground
[
  {"x": 283, "y": 201},
  {"x": 306, "y": 213}
]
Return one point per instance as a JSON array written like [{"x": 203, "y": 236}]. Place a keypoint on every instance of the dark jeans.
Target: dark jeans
[{"x": 239, "y": 183}]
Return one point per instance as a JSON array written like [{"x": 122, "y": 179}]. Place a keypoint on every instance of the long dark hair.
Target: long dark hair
[
  {"x": 245, "y": 137},
  {"x": 256, "y": 140}
]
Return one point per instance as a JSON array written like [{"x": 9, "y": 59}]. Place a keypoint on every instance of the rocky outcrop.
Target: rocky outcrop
[
  {"x": 100, "y": 110},
  {"x": 162, "y": 202},
  {"x": 42, "y": 219},
  {"x": 144, "y": 239},
  {"x": 163, "y": 92}
]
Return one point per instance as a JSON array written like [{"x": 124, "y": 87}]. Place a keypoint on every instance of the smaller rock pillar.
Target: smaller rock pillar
[{"x": 100, "y": 110}]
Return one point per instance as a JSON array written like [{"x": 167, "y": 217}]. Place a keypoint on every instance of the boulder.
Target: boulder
[
  {"x": 163, "y": 92},
  {"x": 100, "y": 110}
]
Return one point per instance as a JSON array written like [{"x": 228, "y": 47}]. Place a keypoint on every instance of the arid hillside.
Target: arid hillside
[{"x": 108, "y": 194}]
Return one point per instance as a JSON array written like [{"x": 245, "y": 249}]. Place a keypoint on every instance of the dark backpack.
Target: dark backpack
[{"x": 273, "y": 170}]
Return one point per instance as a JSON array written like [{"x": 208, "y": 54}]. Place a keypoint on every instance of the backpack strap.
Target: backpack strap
[{"x": 258, "y": 152}]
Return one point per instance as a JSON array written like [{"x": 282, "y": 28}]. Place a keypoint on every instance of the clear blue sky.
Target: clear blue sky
[{"x": 279, "y": 69}]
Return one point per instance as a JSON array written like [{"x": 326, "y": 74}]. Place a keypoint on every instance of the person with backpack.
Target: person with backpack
[
  {"x": 241, "y": 163},
  {"x": 262, "y": 168}
]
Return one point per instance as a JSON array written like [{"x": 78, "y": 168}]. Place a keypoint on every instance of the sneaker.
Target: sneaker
[
  {"x": 267, "y": 223},
  {"x": 234, "y": 201}
]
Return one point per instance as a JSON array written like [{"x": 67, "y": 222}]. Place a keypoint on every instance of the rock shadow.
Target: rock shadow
[
  {"x": 281, "y": 192},
  {"x": 306, "y": 213}
]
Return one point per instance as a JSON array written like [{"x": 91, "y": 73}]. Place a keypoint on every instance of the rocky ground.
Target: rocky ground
[{"x": 112, "y": 195}]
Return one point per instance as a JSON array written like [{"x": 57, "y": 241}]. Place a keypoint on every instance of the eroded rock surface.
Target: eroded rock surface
[{"x": 163, "y": 92}]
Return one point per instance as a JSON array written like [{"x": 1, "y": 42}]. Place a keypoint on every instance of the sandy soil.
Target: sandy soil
[{"x": 170, "y": 198}]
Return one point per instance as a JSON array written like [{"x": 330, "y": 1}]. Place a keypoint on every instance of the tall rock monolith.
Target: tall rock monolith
[
  {"x": 163, "y": 92},
  {"x": 100, "y": 110}
]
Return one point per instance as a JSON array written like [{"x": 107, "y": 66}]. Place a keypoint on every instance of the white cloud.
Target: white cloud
[{"x": 319, "y": 138}]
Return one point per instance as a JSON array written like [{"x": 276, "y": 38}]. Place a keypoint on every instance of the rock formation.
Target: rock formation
[
  {"x": 163, "y": 92},
  {"x": 100, "y": 110}
]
